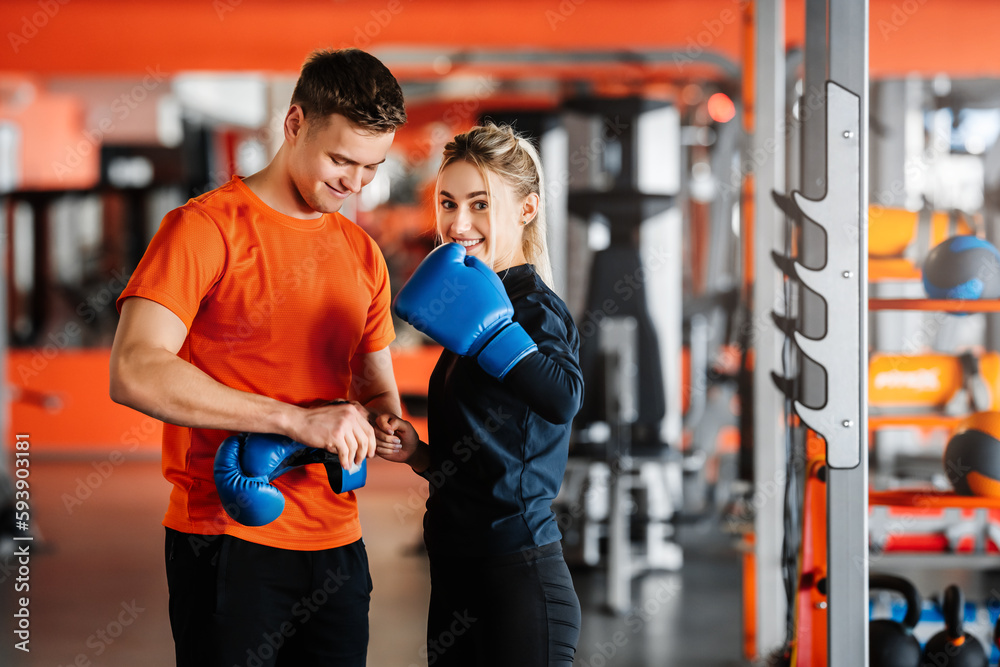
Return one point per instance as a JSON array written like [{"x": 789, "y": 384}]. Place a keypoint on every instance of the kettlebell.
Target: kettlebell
[
  {"x": 996, "y": 633},
  {"x": 952, "y": 647},
  {"x": 892, "y": 644}
]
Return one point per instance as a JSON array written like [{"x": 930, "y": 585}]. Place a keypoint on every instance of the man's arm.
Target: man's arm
[
  {"x": 147, "y": 375},
  {"x": 374, "y": 386},
  {"x": 373, "y": 383}
]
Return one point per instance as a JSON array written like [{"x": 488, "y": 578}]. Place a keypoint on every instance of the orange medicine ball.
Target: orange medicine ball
[{"x": 972, "y": 457}]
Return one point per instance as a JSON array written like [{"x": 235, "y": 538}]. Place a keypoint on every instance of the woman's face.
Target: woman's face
[{"x": 464, "y": 215}]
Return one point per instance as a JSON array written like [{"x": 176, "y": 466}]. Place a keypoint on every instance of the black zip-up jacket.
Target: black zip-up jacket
[{"x": 498, "y": 449}]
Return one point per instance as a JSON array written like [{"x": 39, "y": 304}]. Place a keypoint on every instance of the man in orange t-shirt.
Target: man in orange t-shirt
[{"x": 254, "y": 307}]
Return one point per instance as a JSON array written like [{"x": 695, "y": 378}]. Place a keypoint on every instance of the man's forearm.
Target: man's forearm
[
  {"x": 162, "y": 385},
  {"x": 387, "y": 401}
]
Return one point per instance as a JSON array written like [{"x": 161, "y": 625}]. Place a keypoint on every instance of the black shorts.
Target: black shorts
[
  {"x": 236, "y": 603},
  {"x": 518, "y": 609}
]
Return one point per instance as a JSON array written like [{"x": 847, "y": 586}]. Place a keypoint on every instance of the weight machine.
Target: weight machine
[{"x": 624, "y": 478}]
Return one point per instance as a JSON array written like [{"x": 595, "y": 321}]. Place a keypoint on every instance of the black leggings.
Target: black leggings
[{"x": 519, "y": 609}]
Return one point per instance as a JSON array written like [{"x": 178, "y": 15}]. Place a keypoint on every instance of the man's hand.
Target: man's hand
[{"x": 342, "y": 429}]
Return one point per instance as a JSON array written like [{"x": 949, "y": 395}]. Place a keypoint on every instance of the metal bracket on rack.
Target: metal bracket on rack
[{"x": 838, "y": 418}]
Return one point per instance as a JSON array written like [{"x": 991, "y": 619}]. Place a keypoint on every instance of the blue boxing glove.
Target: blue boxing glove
[
  {"x": 246, "y": 464},
  {"x": 460, "y": 302}
]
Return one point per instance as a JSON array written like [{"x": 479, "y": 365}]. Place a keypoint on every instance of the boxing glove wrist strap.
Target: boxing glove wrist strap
[{"x": 505, "y": 350}]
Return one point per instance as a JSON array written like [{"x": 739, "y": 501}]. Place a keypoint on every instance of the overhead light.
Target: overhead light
[{"x": 721, "y": 108}]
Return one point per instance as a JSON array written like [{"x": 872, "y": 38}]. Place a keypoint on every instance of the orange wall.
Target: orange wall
[
  {"x": 56, "y": 151},
  {"x": 87, "y": 37},
  {"x": 60, "y": 398},
  {"x": 110, "y": 36}
]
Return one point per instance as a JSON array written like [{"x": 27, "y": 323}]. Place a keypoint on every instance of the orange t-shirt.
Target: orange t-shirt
[{"x": 277, "y": 306}]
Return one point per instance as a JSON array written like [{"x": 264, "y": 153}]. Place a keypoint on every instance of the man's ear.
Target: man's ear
[{"x": 295, "y": 123}]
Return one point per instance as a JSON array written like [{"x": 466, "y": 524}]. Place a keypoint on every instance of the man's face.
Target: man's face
[{"x": 331, "y": 161}]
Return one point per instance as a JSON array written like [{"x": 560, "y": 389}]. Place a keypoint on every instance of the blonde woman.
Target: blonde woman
[{"x": 502, "y": 398}]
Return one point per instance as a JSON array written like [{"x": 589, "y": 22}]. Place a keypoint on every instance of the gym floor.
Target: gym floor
[{"x": 98, "y": 590}]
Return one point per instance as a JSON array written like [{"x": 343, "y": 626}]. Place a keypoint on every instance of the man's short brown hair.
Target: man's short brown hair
[{"x": 353, "y": 84}]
